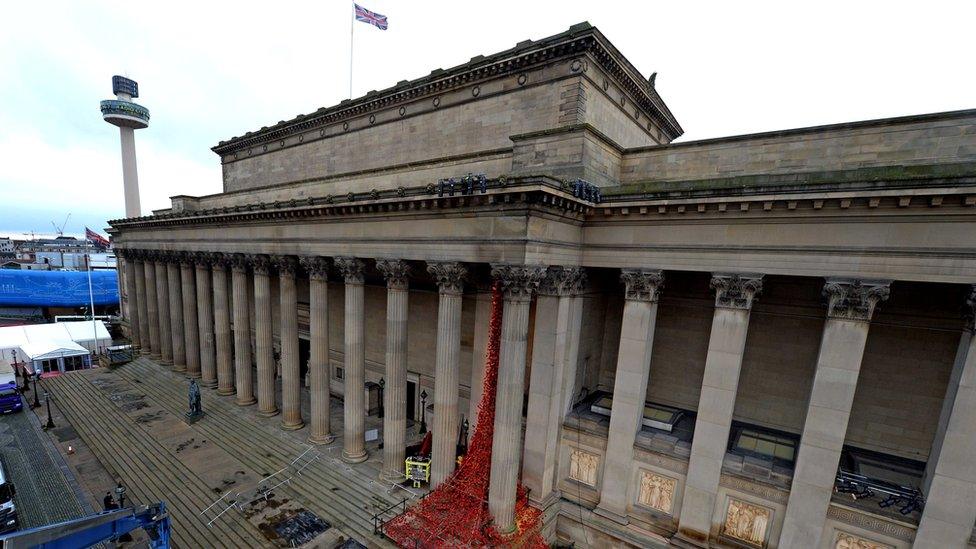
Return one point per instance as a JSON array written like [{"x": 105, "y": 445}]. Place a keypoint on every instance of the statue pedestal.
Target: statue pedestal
[{"x": 192, "y": 417}]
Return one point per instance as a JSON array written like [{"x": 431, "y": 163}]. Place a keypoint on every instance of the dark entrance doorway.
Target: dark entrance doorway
[
  {"x": 411, "y": 400},
  {"x": 304, "y": 352}
]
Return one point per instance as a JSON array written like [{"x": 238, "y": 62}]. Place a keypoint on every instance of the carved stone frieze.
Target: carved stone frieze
[
  {"x": 563, "y": 281},
  {"x": 844, "y": 540},
  {"x": 396, "y": 272},
  {"x": 583, "y": 466},
  {"x": 854, "y": 299},
  {"x": 757, "y": 489},
  {"x": 736, "y": 291},
  {"x": 449, "y": 275},
  {"x": 869, "y": 522},
  {"x": 747, "y": 522},
  {"x": 519, "y": 282},
  {"x": 317, "y": 267},
  {"x": 656, "y": 491},
  {"x": 642, "y": 285},
  {"x": 351, "y": 269}
]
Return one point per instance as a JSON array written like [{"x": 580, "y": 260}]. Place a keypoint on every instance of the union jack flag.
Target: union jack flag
[
  {"x": 96, "y": 238},
  {"x": 373, "y": 18}
]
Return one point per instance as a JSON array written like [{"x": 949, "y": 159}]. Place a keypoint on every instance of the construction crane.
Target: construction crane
[
  {"x": 94, "y": 529},
  {"x": 60, "y": 230}
]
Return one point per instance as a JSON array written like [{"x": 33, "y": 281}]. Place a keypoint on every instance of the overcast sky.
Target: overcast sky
[{"x": 211, "y": 70}]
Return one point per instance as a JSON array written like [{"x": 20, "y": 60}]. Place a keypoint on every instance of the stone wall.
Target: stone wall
[{"x": 924, "y": 139}]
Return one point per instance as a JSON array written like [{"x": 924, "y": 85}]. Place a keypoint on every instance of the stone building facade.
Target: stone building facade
[{"x": 754, "y": 341}]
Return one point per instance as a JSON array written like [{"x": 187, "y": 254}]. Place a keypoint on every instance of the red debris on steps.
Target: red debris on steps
[{"x": 456, "y": 513}]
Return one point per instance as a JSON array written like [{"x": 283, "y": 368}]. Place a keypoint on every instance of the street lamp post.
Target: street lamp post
[
  {"x": 423, "y": 412},
  {"x": 382, "y": 386},
  {"x": 50, "y": 419},
  {"x": 37, "y": 401}
]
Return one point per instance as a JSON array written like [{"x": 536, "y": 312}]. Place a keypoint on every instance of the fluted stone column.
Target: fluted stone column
[
  {"x": 162, "y": 294},
  {"x": 642, "y": 288},
  {"x": 131, "y": 299},
  {"x": 354, "y": 413},
  {"x": 263, "y": 347},
  {"x": 397, "y": 274},
  {"x": 555, "y": 350},
  {"x": 176, "y": 314},
  {"x": 850, "y": 306},
  {"x": 950, "y": 500},
  {"x": 221, "y": 313},
  {"x": 318, "y": 360},
  {"x": 291, "y": 378},
  {"x": 242, "y": 332},
  {"x": 447, "y": 369},
  {"x": 142, "y": 309},
  {"x": 152, "y": 306},
  {"x": 734, "y": 295},
  {"x": 191, "y": 333},
  {"x": 208, "y": 366},
  {"x": 519, "y": 282}
]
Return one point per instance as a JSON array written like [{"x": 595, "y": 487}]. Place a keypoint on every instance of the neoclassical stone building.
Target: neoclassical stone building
[{"x": 754, "y": 341}]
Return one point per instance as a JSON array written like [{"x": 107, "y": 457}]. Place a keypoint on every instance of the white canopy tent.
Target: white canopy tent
[{"x": 47, "y": 346}]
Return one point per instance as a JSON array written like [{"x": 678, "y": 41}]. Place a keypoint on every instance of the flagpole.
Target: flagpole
[
  {"x": 352, "y": 30},
  {"x": 91, "y": 294}
]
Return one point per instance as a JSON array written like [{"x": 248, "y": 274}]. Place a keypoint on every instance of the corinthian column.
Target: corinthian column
[
  {"x": 190, "y": 329},
  {"x": 519, "y": 282},
  {"x": 208, "y": 368},
  {"x": 642, "y": 289},
  {"x": 131, "y": 298},
  {"x": 291, "y": 378},
  {"x": 450, "y": 280},
  {"x": 263, "y": 338},
  {"x": 734, "y": 295},
  {"x": 242, "y": 332},
  {"x": 162, "y": 294},
  {"x": 850, "y": 306},
  {"x": 221, "y": 312},
  {"x": 318, "y": 360},
  {"x": 397, "y": 274},
  {"x": 176, "y": 313},
  {"x": 354, "y": 413},
  {"x": 142, "y": 308},
  {"x": 152, "y": 306}
]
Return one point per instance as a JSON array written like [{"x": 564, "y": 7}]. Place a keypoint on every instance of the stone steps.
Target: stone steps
[
  {"x": 148, "y": 473},
  {"x": 330, "y": 488}
]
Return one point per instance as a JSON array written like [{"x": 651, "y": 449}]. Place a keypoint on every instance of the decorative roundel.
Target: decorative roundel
[
  {"x": 301, "y": 138},
  {"x": 649, "y": 127},
  {"x": 522, "y": 79},
  {"x": 403, "y": 111},
  {"x": 372, "y": 118},
  {"x": 437, "y": 101},
  {"x": 476, "y": 91},
  {"x": 345, "y": 126},
  {"x": 265, "y": 148},
  {"x": 623, "y": 100},
  {"x": 249, "y": 152},
  {"x": 636, "y": 114},
  {"x": 281, "y": 143},
  {"x": 606, "y": 85},
  {"x": 576, "y": 65},
  {"x": 321, "y": 133}
]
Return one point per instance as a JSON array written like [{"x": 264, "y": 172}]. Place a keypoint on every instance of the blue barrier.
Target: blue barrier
[{"x": 57, "y": 288}]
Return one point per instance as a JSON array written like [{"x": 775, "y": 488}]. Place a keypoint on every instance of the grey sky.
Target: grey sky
[{"x": 211, "y": 70}]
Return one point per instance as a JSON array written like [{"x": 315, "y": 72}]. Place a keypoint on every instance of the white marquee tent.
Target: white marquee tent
[{"x": 59, "y": 346}]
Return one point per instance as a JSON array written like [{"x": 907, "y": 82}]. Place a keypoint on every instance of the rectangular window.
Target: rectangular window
[
  {"x": 338, "y": 373},
  {"x": 763, "y": 443}
]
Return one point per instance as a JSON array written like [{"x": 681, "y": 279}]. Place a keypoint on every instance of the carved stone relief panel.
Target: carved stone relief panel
[
  {"x": 583, "y": 467},
  {"x": 747, "y": 522},
  {"x": 843, "y": 540},
  {"x": 656, "y": 491}
]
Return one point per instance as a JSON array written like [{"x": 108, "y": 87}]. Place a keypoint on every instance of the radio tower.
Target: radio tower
[{"x": 128, "y": 116}]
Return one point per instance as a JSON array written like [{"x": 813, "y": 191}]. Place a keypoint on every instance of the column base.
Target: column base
[
  {"x": 354, "y": 458},
  {"x": 209, "y": 384},
  {"x": 225, "y": 391},
  {"x": 165, "y": 362},
  {"x": 268, "y": 413},
  {"x": 689, "y": 540},
  {"x": 326, "y": 439},
  {"x": 392, "y": 477},
  {"x": 245, "y": 402},
  {"x": 612, "y": 515},
  {"x": 193, "y": 375},
  {"x": 155, "y": 356},
  {"x": 179, "y": 368},
  {"x": 286, "y": 426}
]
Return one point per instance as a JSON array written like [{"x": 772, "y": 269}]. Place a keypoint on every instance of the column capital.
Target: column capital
[
  {"x": 396, "y": 272},
  {"x": 450, "y": 275},
  {"x": 260, "y": 262},
  {"x": 853, "y": 299},
  {"x": 519, "y": 282},
  {"x": 237, "y": 262},
  {"x": 286, "y": 265},
  {"x": 642, "y": 284},
  {"x": 351, "y": 269},
  {"x": 563, "y": 281},
  {"x": 736, "y": 291},
  {"x": 317, "y": 267},
  {"x": 204, "y": 259}
]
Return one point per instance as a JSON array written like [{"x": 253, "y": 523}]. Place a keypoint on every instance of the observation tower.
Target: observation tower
[{"x": 128, "y": 116}]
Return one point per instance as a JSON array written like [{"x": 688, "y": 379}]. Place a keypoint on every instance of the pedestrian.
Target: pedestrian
[{"x": 108, "y": 502}]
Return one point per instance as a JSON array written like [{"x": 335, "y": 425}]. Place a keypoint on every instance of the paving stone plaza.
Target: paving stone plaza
[{"x": 756, "y": 341}]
